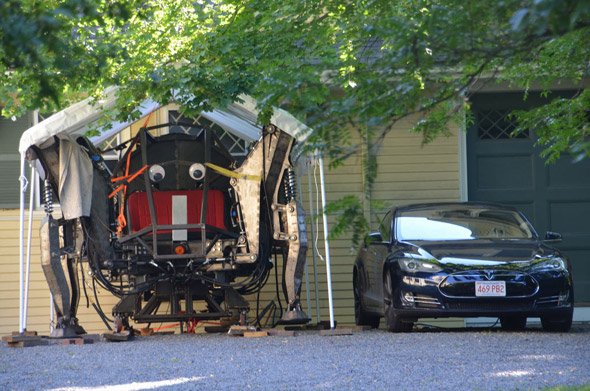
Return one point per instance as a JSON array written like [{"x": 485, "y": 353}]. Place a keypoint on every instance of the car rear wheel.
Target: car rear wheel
[
  {"x": 362, "y": 318},
  {"x": 394, "y": 322},
  {"x": 557, "y": 324},
  {"x": 513, "y": 323}
]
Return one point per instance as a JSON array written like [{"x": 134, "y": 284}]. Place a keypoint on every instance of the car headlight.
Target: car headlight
[
  {"x": 415, "y": 265},
  {"x": 553, "y": 263}
]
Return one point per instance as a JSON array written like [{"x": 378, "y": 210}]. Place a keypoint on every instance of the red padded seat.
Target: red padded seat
[{"x": 139, "y": 210}]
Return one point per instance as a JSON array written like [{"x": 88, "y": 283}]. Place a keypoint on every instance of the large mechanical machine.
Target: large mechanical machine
[{"x": 178, "y": 230}]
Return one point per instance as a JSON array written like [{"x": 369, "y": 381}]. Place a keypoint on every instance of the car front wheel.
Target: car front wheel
[
  {"x": 392, "y": 319},
  {"x": 557, "y": 324},
  {"x": 362, "y": 318},
  {"x": 513, "y": 323}
]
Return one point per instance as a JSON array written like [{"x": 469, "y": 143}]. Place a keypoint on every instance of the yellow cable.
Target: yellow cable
[{"x": 233, "y": 174}]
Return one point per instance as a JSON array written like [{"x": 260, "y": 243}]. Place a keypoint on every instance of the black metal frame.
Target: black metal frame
[{"x": 146, "y": 313}]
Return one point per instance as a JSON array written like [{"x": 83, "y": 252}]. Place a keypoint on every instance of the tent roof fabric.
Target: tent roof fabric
[{"x": 240, "y": 118}]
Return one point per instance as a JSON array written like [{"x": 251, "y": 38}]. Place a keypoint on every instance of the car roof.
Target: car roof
[{"x": 447, "y": 205}]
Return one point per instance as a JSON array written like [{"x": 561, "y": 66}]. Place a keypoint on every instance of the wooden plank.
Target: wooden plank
[
  {"x": 255, "y": 334},
  {"x": 122, "y": 336},
  {"x": 336, "y": 332},
  {"x": 237, "y": 330},
  {"x": 29, "y": 343}
]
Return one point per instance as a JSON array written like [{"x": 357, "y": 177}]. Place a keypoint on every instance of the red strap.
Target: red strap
[{"x": 128, "y": 179}]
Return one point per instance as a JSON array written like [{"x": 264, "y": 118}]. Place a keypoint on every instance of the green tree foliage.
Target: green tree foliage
[
  {"x": 52, "y": 49},
  {"x": 339, "y": 65}
]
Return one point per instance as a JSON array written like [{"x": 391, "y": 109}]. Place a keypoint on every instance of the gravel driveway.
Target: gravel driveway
[{"x": 369, "y": 360}]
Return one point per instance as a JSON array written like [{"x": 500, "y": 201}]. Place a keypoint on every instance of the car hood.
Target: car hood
[{"x": 484, "y": 253}]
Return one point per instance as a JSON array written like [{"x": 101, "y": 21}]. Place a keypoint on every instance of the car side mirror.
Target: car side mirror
[
  {"x": 552, "y": 237},
  {"x": 373, "y": 237}
]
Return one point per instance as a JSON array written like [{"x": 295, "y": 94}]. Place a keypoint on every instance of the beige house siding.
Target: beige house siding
[
  {"x": 38, "y": 318},
  {"x": 408, "y": 172}
]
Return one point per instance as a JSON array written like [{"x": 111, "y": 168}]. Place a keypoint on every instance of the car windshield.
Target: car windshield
[{"x": 461, "y": 223}]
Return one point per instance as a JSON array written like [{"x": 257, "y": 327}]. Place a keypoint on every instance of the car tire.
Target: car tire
[
  {"x": 392, "y": 319},
  {"x": 513, "y": 323},
  {"x": 361, "y": 317},
  {"x": 557, "y": 324}
]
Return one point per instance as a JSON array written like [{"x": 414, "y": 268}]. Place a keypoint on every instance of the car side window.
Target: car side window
[{"x": 385, "y": 226}]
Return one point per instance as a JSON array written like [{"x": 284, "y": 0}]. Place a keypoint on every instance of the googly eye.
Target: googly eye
[
  {"x": 157, "y": 173},
  {"x": 197, "y": 171}
]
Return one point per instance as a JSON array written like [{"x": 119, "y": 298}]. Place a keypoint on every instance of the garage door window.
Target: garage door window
[{"x": 496, "y": 125}]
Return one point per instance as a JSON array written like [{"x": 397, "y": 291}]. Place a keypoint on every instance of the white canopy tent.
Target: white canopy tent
[{"x": 240, "y": 118}]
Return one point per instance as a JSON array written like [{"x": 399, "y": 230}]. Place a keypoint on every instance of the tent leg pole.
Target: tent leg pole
[
  {"x": 33, "y": 177},
  {"x": 312, "y": 212},
  {"x": 326, "y": 242},
  {"x": 23, "y": 189},
  {"x": 306, "y": 267},
  {"x": 307, "y": 290},
  {"x": 51, "y": 313}
]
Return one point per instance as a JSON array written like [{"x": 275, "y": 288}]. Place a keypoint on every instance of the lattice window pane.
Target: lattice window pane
[
  {"x": 109, "y": 143},
  {"x": 497, "y": 124},
  {"x": 235, "y": 145},
  {"x": 176, "y": 117}
]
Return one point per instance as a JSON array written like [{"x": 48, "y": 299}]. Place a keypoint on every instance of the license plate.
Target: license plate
[{"x": 490, "y": 288}]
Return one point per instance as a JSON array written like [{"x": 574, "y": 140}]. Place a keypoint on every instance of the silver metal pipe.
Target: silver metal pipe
[
  {"x": 312, "y": 212},
  {"x": 306, "y": 267},
  {"x": 29, "y": 237},
  {"x": 23, "y": 190},
  {"x": 326, "y": 243},
  {"x": 51, "y": 313}
]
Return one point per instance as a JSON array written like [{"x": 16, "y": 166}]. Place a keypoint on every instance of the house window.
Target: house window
[
  {"x": 108, "y": 146},
  {"x": 237, "y": 146},
  {"x": 496, "y": 125}
]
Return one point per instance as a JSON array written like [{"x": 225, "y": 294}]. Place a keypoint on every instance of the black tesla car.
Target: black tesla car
[{"x": 461, "y": 260}]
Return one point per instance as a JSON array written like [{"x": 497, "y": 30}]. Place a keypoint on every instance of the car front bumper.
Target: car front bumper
[{"x": 421, "y": 296}]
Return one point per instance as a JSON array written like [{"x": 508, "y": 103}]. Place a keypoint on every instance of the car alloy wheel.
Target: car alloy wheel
[
  {"x": 392, "y": 319},
  {"x": 361, "y": 318}
]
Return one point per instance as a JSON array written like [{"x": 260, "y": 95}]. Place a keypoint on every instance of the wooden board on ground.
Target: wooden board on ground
[
  {"x": 118, "y": 337},
  {"x": 240, "y": 330},
  {"x": 255, "y": 334},
  {"x": 216, "y": 329},
  {"x": 23, "y": 341},
  {"x": 336, "y": 332}
]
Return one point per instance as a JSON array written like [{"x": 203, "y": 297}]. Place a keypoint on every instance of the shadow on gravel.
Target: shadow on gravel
[{"x": 427, "y": 328}]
